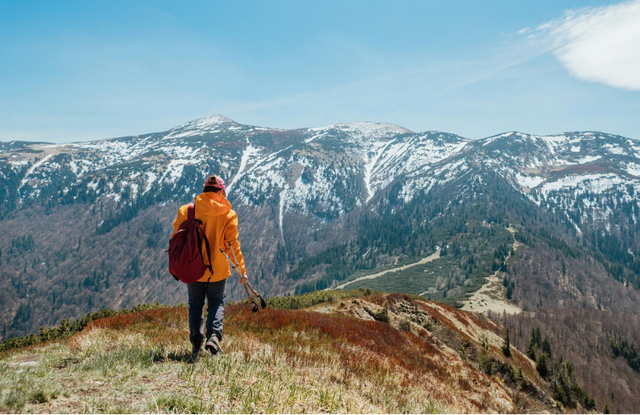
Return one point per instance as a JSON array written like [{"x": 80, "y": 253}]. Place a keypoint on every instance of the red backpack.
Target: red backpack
[{"x": 185, "y": 257}]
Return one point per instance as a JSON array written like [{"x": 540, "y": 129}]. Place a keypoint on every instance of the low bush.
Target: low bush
[
  {"x": 66, "y": 328},
  {"x": 313, "y": 298}
]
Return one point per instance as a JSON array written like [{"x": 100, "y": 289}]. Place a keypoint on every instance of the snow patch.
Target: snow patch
[
  {"x": 588, "y": 159},
  {"x": 174, "y": 170},
  {"x": 247, "y": 154},
  {"x": 33, "y": 168},
  {"x": 283, "y": 195},
  {"x": 361, "y": 131},
  {"x": 490, "y": 140},
  {"x": 614, "y": 149},
  {"x": 594, "y": 183},
  {"x": 371, "y": 159},
  {"x": 529, "y": 181},
  {"x": 633, "y": 169},
  {"x": 151, "y": 178}
]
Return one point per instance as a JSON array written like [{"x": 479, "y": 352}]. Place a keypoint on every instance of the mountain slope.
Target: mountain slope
[
  {"x": 335, "y": 357},
  {"x": 84, "y": 225}
]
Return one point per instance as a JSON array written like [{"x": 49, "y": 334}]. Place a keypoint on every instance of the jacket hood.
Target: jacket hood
[{"x": 212, "y": 204}]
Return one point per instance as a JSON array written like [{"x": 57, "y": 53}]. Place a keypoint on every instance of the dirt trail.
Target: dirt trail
[
  {"x": 491, "y": 296},
  {"x": 430, "y": 258}
]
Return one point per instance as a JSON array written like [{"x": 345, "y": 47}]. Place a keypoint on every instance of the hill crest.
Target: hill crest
[{"x": 355, "y": 353}]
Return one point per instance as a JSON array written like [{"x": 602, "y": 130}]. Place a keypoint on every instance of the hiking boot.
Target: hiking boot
[
  {"x": 213, "y": 345},
  {"x": 195, "y": 351}
]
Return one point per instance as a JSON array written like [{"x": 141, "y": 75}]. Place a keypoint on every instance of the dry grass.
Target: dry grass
[
  {"x": 491, "y": 298},
  {"x": 275, "y": 361}
]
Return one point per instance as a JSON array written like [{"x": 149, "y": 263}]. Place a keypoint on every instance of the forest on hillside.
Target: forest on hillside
[{"x": 602, "y": 347}]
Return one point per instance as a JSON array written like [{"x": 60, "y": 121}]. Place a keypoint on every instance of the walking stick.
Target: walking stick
[
  {"x": 263, "y": 303},
  {"x": 246, "y": 290}
]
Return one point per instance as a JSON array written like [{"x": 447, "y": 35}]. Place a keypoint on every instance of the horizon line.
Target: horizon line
[{"x": 226, "y": 119}]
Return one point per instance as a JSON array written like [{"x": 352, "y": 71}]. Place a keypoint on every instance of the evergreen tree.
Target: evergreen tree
[
  {"x": 546, "y": 346},
  {"x": 535, "y": 337},
  {"x": 542, "y": 365},
  {"x": 531, "y": 351},
  {"x": 510, "y": 287},
  {"x": 506, "y": 345}
]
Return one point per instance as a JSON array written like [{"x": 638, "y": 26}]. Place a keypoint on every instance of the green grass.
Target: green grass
[
  {"x": 414, "y": 280},
  {"x": 132, "y": 356},
  {"x": 313, "y": 298},
  {"x": 419, "y": 278},
  {"x": 30, "y": 385},
  {"x": 179, "y": 404}
]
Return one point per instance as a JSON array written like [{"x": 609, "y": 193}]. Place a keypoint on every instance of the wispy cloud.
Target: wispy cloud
[
  {"x": 600, "y": 44},
  {"x": 495, "y": 71}
]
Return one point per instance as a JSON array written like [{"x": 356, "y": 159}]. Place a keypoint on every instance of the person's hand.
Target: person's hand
[{"x": 244, "y": 279}]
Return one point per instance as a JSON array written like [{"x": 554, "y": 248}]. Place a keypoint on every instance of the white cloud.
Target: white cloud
[{"x": 600, "y": 44}]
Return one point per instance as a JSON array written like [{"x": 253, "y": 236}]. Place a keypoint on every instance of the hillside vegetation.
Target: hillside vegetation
[
  {"x": 319, "y": 207},
  {"x": 347, "y": 351}
]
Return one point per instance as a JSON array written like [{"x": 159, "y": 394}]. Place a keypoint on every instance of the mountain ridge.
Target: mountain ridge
[
  {"x": 221, "y": 120},
  {"x": 305, "y": 182},
  {"x": 541, "y": 223},
  {"x": 336, "y": 342}
]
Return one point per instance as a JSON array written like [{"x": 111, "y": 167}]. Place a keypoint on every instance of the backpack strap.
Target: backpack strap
[
  {"x": 206, "y": 243},
  {"x": 191, "y": 211},
  {"x": 191, "y": 215}
]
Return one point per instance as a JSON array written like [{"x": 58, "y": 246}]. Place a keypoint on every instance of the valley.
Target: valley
[
  {"x": 546, "y": 225},
  {"x": 319, "y": 208}
]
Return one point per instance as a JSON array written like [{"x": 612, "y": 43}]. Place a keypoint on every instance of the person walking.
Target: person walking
[{"x": 220, "y": 225}]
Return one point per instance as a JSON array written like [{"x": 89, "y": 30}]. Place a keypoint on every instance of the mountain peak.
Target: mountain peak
[
  {"x": 511, "y": 133},
  {"x": 366, "y": 126},
  {"x": 215, "y": 120},
  {"x": 365, "y": 129},
  {"x": 203, "y": 125}
]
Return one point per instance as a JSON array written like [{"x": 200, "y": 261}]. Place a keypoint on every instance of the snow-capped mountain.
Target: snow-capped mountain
[
  {"x": 299, "y": 193},
  {"x": 587, "y": 176},
  {"x": 325, "y": 172}
]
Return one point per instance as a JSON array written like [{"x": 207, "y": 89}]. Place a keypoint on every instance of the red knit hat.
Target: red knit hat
[{"x": 215, "y": 182}]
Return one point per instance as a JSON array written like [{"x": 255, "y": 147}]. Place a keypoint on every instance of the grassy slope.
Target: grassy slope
[
  {"x": 332, "y": 357},
  {"x": 420, "y": 278}
]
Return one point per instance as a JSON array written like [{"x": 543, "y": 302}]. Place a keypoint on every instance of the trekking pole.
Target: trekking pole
[
  {"x": 263, "y": 303},
  {"x": 246, "y": 290}
]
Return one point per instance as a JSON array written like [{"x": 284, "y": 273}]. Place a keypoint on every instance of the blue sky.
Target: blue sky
[{"x": 78, "y": 70}]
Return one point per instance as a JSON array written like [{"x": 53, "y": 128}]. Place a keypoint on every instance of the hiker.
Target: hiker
[{"x": 220, "y": 225}]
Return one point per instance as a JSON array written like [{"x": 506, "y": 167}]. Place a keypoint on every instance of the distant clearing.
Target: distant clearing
[
  {"x": 425, "y": 260},
  {"x": 491, "y": 298}
]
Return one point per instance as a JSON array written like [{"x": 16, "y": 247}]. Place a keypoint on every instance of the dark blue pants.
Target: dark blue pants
[{"x": 215, "y": 294}]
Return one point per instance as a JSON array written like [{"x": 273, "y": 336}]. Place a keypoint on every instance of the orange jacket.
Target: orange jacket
[{"x": 220, "y": 224}]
